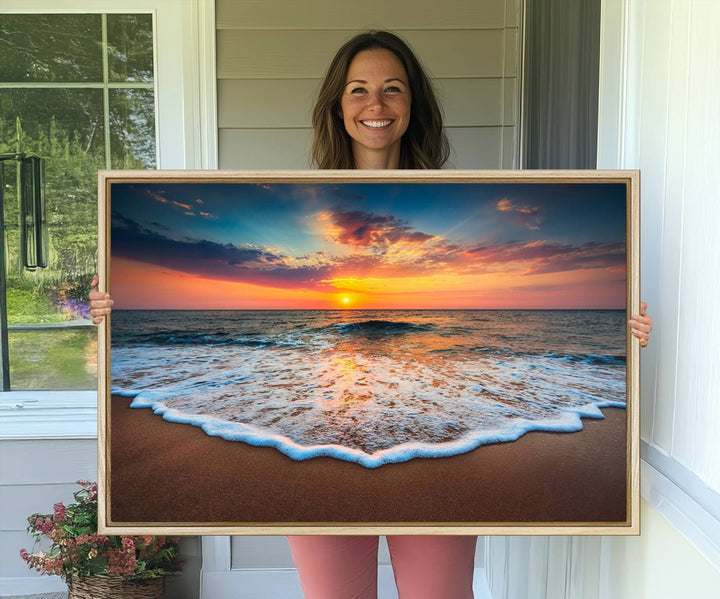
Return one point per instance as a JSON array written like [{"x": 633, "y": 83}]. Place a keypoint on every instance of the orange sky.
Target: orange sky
[{"x": 138, "y": 285}]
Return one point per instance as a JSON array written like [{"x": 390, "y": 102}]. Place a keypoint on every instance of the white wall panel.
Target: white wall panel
[
  {"x": 513, "y": 13},
  {"x": 510, "y": 101},
  {"x": 47, "y": 462},
  {"x": 19, "y": 501},
  {"x": 475, "y": 147},
  {"x": 652, "y": 117},
  {"x": 11, "y": 564},
  {"x": 331, "y": 14},
  {"x": 671, "y": 239},
  {"x": 265, "y": 148},
  {"x": 260, "y": 552},
  {"x": 270, "y": 103},
  {"x": 288, "y": 103},
  {"x": 471, "y": 148},
  {"x": 697, "y": 422},
  {"x": 254, "y": 53},
  {"x": 474, "y": 102}
]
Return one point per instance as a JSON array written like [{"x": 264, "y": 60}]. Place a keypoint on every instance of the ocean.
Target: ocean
[{"x": 371, "y": 387}]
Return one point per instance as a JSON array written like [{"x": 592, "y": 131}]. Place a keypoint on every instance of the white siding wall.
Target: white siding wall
[{"x": 272, "y": 56}]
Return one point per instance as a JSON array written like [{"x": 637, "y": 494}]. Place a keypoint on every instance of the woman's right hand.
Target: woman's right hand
[{"x": 100, "y": 303}]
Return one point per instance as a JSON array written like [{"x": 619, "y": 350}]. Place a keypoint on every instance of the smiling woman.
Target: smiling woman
[
  {"x": 377, "y": 99},
  {"x": 375, "y": 108}
]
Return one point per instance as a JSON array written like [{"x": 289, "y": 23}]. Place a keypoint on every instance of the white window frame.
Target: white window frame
[{"x": 186, "y": 130}]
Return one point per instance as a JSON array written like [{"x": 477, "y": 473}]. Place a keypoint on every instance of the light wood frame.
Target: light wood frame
[{"x": 629, "y": 527}]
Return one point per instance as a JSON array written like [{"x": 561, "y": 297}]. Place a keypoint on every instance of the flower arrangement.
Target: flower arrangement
[{"x": 77, "y": 551}]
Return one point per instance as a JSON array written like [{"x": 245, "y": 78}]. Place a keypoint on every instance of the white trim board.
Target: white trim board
[
  {"x": 693, "y": 517},
  {"x": 48, "y": 415},
  {"x": 31, "y": 586}
]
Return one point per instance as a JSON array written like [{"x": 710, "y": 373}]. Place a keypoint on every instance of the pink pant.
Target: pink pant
[{"x": 425, "y": 567}]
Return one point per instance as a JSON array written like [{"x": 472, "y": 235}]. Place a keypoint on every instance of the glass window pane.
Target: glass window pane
[
  {"x": 130, "y": 47},
  {"x": 132, "y": 128},
  {"x": 37, "y": 48},
  {"x": 54, "y": 359},
  {"x": 65, "y": 128},
  {"x": 53, "y": 116}
]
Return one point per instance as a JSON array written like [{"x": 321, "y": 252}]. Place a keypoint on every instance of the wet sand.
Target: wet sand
[{"x": 164, "y": 472}]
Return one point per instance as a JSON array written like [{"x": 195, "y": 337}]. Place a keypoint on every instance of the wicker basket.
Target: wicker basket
[{"x": 116, "y": 587}]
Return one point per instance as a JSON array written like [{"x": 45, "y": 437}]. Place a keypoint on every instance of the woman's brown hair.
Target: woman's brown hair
[{"x": 424, "y": 144}]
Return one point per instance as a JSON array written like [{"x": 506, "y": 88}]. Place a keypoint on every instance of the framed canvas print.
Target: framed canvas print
[{"x": 369, "y": 352}]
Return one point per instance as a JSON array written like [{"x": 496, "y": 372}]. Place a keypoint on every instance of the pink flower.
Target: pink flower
[
  {"x": 24, "y": 555},
  {"x": 43, "y": 526},
  {"x": 128, "y": 543},
  {"x": 59, "y": 512},
  {"x": 53, "y": 565},
  {"x": 121, "y": 562}
]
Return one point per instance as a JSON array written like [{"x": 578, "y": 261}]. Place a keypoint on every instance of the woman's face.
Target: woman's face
[{"x": 375, "y": 103}]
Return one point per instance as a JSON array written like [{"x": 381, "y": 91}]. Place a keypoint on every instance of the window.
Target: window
[{"x": 78, "y": 91}]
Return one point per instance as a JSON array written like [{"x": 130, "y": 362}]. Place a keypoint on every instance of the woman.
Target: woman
[{"x": 377, "y": 110}]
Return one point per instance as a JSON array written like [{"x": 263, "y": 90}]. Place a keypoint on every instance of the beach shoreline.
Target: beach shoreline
[{"x": 163, "y": 472}]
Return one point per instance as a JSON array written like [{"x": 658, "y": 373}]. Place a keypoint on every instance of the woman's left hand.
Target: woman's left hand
[{"x": 641, "y": 325}]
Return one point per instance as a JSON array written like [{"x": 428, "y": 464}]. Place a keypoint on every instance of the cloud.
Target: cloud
[
  {"x": 368, "y": 230},
  {"x": 527, "y": 217},
  {"x": 381, "y": 246},
  {"x": 157, "y": 196},
  {"x": 187, "y": 209},
  {"x": 542, "y": 257},
  {"x": 249, "y": 263}
]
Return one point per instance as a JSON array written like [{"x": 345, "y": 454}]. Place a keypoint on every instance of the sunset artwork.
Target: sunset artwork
[{"x": 366, "y": 326}]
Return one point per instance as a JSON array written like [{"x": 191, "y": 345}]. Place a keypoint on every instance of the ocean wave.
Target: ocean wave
[
  {"x": 379, "y": 328},
  {"x": 215, "y": 339},
  {"x": 589, "y": 359}
]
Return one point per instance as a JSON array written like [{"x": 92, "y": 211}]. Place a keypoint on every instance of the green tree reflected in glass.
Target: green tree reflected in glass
[
  {"x": 130, "y": 43},
  {"x": 65, "y": 123},
  {"x": 37, "y": 48},
  {"x": 132, "y": 128}
]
